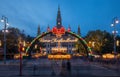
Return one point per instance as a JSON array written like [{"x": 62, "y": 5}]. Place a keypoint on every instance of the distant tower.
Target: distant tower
[
  {"x": 79, "y": 33},
  {"x": 69, "y": 28},
  {"x": 38, "y": 32},
  {"x": 48, "y": 28},
  {"x": 59, "y": 23}
]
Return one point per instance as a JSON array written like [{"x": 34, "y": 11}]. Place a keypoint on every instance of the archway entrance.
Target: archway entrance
[
  {"x": 88, "y": 50},
  {"x": 58, "y": 60}
]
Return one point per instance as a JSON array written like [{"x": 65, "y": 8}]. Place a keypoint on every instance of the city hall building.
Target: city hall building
[{"x": 62, "y": 42}]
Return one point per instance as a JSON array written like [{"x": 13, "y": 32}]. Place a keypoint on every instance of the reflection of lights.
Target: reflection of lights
[
  {"x": 96, "y": 56},
  {"x": 37, "y": 55}
]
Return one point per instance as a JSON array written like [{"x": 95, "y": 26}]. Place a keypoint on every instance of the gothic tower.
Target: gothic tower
[
  {"x": 69, "y": 28},
  {"x": 38, "y": 32},
  {"x": 78, "y": 30},
  {"x": 48, "y": 28},
  {"x": 59, "y": 23}
]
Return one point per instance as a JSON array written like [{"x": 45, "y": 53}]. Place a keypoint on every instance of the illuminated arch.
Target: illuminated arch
[
  {"x": 39, "y": 36},
  {"x": 88, "y": 49}
]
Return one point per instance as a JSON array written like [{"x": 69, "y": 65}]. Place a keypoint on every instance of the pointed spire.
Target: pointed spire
[
  {"x": 59, "y": 23},
  {"x": 69, "y": 28},
  {"x": 38, "y": 32},
  {"x": 48, "y": 28},
  {"x": 58, "y": 8},
  {"x": 78, "y": 30}
]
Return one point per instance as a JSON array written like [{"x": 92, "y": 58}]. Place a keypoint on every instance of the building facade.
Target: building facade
[{"x": 53, "y": 43}]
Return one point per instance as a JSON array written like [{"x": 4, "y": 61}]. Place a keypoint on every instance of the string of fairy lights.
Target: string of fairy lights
[{"x": 45, "y": 33}]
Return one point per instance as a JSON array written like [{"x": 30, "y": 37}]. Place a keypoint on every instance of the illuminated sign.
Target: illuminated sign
[{"x": 59, "y": 56}]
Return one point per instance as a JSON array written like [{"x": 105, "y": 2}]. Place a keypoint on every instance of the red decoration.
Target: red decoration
[
  {"x": 21, "y": 48},
  {"x": 48, "y": 29},
  {"x": 69, "y": 29},
  {"x": 58, "y": 32},
  {"x": 40, "y": 49}
]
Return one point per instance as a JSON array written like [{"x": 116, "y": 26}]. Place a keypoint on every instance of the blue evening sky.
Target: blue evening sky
[{"x": 89, "y": 14}]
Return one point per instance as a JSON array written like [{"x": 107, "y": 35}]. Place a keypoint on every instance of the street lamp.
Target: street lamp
[
  {"x": 115, "y": 21},
  {"x": 5, "y": 21}
]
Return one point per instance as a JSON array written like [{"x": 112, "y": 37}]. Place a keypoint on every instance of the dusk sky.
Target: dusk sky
[{"x": 89, "y": 14}]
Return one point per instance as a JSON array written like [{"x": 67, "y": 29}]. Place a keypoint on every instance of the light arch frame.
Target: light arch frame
[{"x": 88, "y": 49}]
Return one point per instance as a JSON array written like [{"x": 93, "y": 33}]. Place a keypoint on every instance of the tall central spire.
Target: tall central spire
[{"x": 59, "y": 23}]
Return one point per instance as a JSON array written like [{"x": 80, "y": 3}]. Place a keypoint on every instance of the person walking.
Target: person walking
[
  {"x": 63, "y": 68},
  {"x": 68, "y": 67}
]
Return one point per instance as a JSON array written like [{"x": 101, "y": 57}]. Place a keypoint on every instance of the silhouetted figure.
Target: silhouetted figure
[
  {"x": 69, "y": 67},
  {"x": 63, "y": 68},
  {"x": 63, "y": 64},
  {"x": 34, "y": 68}
]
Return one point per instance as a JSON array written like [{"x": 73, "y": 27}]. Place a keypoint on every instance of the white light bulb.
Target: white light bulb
[
  {"x": 7, "y": 24},
  {"x": 116, "y": 21},
  {"x": 2, "y": 20},
  {"x": 112, "y": 25}
]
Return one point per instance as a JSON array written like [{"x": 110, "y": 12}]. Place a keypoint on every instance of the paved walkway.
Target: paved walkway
[{"x": 44, "y": 67}]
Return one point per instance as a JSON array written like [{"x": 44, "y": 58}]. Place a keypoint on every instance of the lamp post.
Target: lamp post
[
  {"x": 115, "y": 21},
  {"x": 20, "y": 50},
  {"x": 5, "y": 21}
]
